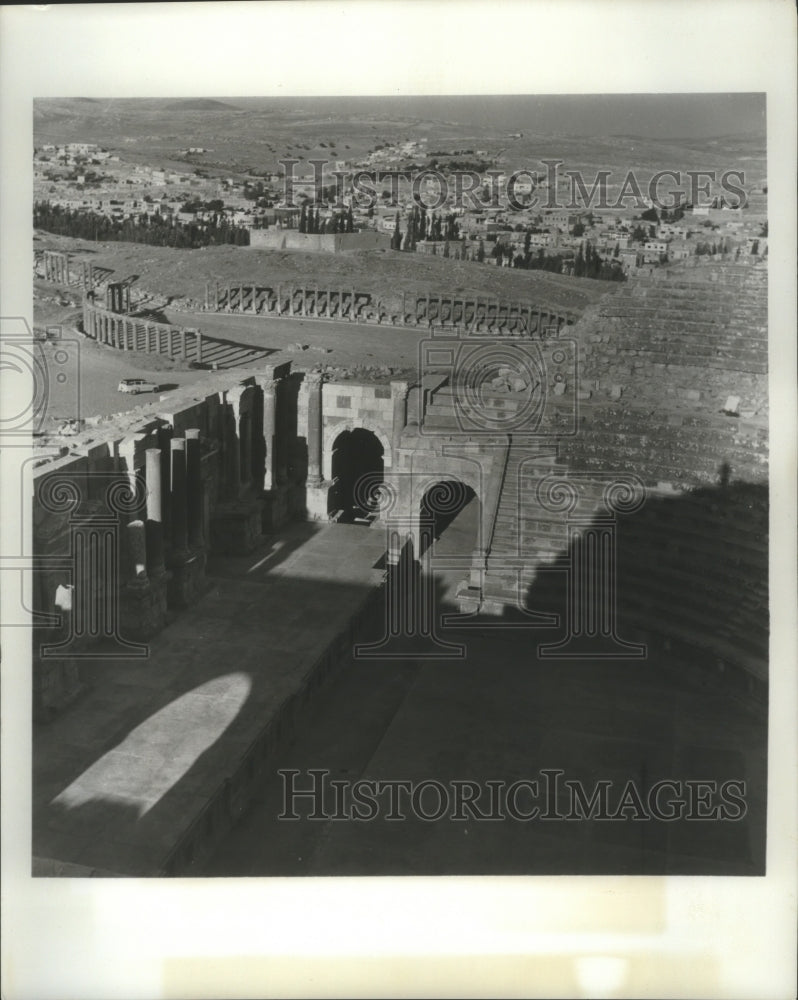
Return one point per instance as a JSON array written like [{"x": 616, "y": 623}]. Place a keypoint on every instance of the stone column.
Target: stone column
[
  {"x": 314, "y": 381},
  {"x": 399, "y": 396},
  {"x": 154, "y": 527},
  {"x": 136, "y": 551},
  {"x": 414, "y": 401},
  {"x": 194, "y": 487},
  {"x": 232, "y": 442},
  {"x": 179, "y": 499},
  {"x": 269, "y": 388},
  {"x": 245, "y": 447},
  {"x": 282, "y": 432},
  {"x": 198, "y": 337}
]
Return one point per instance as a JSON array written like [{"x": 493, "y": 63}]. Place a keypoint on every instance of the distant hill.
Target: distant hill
[{"x": 199, "y": 104}]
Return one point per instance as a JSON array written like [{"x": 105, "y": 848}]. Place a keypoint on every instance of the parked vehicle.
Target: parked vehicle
[{"x": 136, "y": 385}]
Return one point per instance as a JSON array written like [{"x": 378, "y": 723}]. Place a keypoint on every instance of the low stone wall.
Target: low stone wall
[{"x": 290, "y": 239}]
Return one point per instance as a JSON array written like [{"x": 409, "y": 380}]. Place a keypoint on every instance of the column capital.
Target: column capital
[
  {"x": 269, "y": 382},
  {"x": 234, "y": 393},
  {"x": 399, "y": 387},
  {"x": 234, "y": 397}
]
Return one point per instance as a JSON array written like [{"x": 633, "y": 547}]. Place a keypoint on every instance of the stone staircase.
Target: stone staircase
[
  {"x": 705, "y": 321},
  {"x": 692, "y": 560},
  {"x": 525, "y": 535}
]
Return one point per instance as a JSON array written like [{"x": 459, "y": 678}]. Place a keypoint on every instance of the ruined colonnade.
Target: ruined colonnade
[
  {"x": 473, "y": 313},
  {"x": 58, "y": 268},
  {"x": 128, "y": 333}
]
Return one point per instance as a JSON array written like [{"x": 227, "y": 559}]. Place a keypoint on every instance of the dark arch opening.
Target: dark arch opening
[
  {"x": 452, "y": 507},
  {"x": 356, "y": 454}
]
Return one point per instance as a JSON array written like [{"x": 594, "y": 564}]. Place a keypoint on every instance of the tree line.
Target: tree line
[
  {"x": 154, "y": 230},
  {"x": 423, "y": 225},
  {"x": 338, "y": 222}
]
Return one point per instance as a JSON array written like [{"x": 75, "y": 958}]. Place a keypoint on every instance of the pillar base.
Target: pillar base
[
  {"x": 143, "y": 609},
  {"x": 317, "y": 501},
  {"x": 276, "y": 509},
  {"x": 57, "y": 682},
  {"x": 236, "y": 528},
  {"x": 186, "y": 579}
]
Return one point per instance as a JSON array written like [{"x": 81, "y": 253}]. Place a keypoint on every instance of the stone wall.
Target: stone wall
[
  {"x": 122, "y": 524},
  {"x": 290, "y": 239}
]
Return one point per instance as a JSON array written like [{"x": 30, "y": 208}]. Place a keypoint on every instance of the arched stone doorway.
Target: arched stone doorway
[
  {"x": 357, "y": 457},
  {"x": 451, "y": 509}
]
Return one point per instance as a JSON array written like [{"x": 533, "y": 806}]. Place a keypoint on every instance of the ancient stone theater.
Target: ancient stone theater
[{"x": 208, "y": 562}]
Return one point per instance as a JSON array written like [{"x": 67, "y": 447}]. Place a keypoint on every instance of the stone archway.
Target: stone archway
[
  {"x": 357, "y": 456},
  {"x": 451, "y": 510},
  {"x": 333, "y": 431}
]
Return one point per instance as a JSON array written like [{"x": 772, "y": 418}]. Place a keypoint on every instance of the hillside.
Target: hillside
[{"x": 181, "y": 274}]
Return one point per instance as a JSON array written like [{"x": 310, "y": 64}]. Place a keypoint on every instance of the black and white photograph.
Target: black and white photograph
[
  {"x": 407, "y": 510},
  {"x": 395, "y": 489}
]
